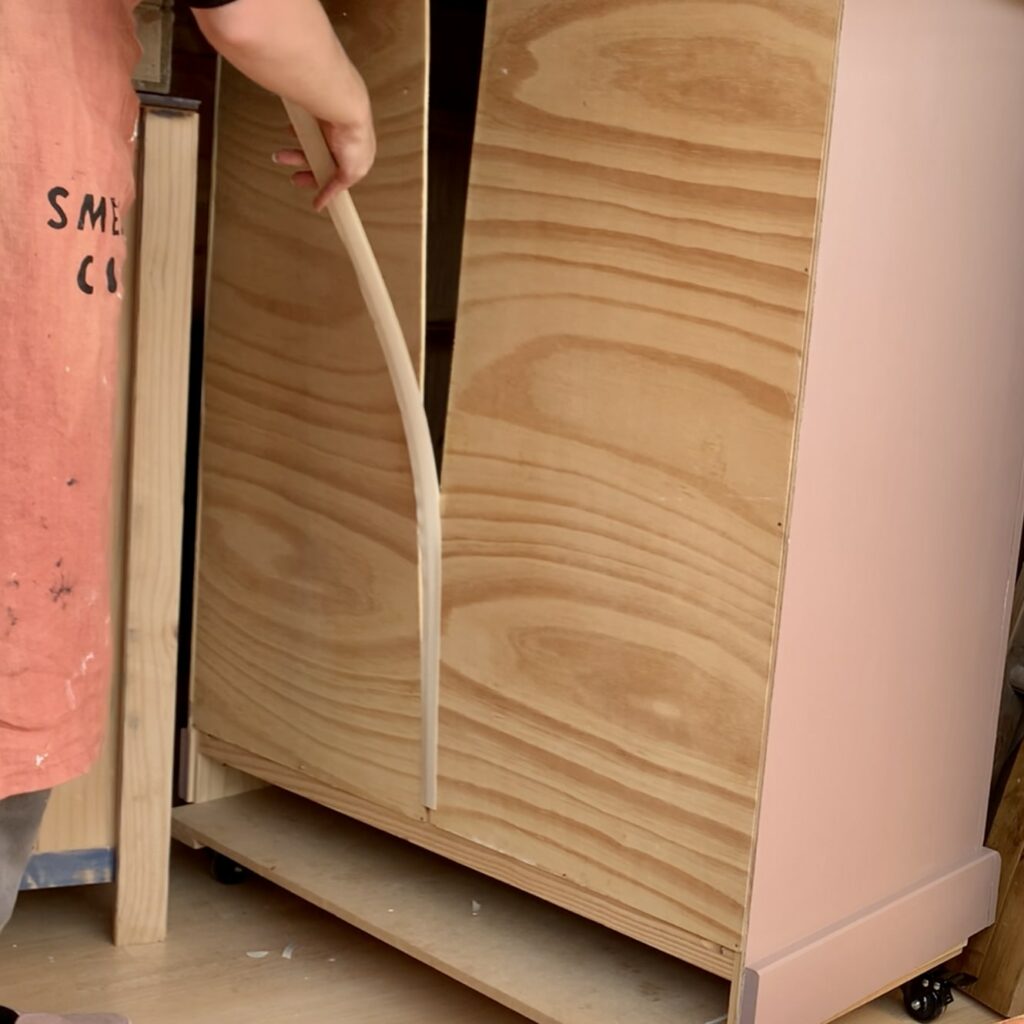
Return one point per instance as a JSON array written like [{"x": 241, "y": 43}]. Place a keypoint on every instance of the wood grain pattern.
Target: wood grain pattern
[
  {"x": 553, "y": 967},
  {"x": 154, "y": 28},
  {"x": 633, "y": 311},
  {"x": 996, "y": 955},
  {"x": 307, "y": 611},
  {"x": 601, "y": 907},
  {"x": 1017, "y": 613},
  {"x": 204, "y": 779},
  {"x": 153, "y": 557}
]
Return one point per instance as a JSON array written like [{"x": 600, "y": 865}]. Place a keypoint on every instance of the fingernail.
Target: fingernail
[{"x": 274, "y": 159}]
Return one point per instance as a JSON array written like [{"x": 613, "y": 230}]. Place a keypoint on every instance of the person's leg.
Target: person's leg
[{"x": 20, "y": 818}]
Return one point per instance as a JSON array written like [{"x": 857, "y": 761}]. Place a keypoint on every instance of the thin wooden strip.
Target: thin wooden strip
[
  {"x": 417, "y": 433},
  {"x": 550, "y": 966}
]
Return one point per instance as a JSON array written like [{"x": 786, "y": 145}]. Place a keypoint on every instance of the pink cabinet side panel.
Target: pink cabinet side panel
[{"x": 906, "y": 507}]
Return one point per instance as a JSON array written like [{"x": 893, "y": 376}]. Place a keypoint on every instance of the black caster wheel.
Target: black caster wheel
[
  {"x": 922, "y": 1004},
  {"x": 927, "y": 997},
  {"x": 226, "y": 871}
]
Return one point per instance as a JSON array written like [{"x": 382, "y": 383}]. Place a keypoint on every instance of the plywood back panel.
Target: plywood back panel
[
  {"x": 628, "y": 359},
  {"x": 307, "y": 613}
]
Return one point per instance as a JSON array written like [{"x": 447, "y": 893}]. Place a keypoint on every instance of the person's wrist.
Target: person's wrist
[{"x": 352, "y": 116}]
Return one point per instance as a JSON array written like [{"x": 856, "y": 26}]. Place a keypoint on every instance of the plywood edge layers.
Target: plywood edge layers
[
  {"x": 190, "y": 770},
  {"x": 882, "y": 947},
  {"x": 694, "y": 949},
  {"x": 201, "y": 779},
  {"x": 553, "y": 967}
]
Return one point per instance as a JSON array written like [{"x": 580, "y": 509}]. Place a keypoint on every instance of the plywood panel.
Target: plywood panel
[
  {"x": 628, "y": 358},
  {"x": 307, "y": 615}
]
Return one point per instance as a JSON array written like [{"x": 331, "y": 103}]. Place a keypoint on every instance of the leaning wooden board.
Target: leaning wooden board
[
  {"x": 308, "y": 532},
  {"x": 624, "y": 393},
  {"x": 713, "y": 421},
  {"x": 152, "y": 585}
]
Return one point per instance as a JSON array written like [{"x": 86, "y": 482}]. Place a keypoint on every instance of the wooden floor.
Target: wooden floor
[{"x": 56, "y": 956}]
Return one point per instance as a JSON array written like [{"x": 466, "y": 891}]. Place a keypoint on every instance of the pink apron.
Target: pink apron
[{"x": 67, "y": 118}]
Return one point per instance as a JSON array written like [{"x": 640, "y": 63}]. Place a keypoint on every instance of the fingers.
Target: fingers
[
  {"x": 304, "y": 179},
  {"x": 353, "y": 158},
  {"x": 335, "y": 186},
  {"x": 291, "y": 158}
]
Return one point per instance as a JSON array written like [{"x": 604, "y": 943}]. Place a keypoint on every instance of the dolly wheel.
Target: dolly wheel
[
  {"x": 229, "y": 872},
  {"x": 926, "y": 998}
]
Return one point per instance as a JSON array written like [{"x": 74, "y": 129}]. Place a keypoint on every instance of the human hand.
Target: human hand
[{"x": 353, "y": 145}]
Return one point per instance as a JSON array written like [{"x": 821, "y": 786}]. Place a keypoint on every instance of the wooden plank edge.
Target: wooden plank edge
[
  {"x": 1000, "y": 970},
  {"x": 159, "y": 387},
  {"x": 693, "y": 949},
  {"x": 986, "y": 955},
  {"x": 551, "y": 966}
]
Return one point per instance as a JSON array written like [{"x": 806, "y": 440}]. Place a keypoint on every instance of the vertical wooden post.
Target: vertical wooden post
[{"x": 167, "y": 203}]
